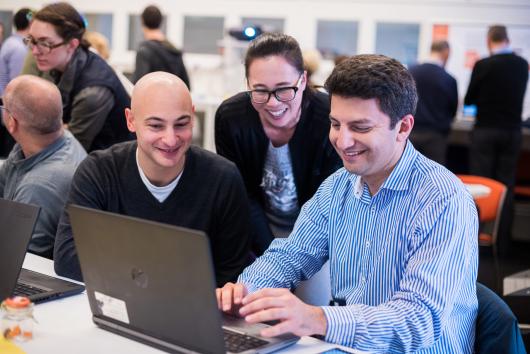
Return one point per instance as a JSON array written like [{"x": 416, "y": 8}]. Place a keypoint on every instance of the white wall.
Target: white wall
[{"x": 300, "y": 19}]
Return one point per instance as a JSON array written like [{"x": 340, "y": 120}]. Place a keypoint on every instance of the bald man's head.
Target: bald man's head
[
  {"x": 161, "y": 115},
  {"x": 35, "y": 103},
  {"x": 162, "y": 88}
]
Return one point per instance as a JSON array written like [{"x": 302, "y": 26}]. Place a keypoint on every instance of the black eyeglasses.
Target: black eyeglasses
[
  {"x": 42, "y": 46},
  {"x": 282, "y": 94}
]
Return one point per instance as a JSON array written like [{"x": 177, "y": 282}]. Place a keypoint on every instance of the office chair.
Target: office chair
[
  {"x": 497, "y": 330},
  {"x": 489, "y": 207}
]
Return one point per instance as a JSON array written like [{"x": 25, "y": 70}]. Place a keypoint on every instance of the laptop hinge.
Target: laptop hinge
[{"x": 141, "y": 336}]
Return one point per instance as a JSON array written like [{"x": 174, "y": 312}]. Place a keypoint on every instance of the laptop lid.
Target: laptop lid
[
  {"x": 150, "y": 281},
  {"x": 18, "y": 221}
]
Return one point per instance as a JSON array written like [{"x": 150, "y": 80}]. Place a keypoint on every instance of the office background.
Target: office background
[{"x": 402, "y": 29}]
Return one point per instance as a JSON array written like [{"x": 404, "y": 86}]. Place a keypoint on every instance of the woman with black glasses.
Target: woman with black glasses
[
  {"x": 93, "y": 97},
  {"x": 277, "y": 135}
]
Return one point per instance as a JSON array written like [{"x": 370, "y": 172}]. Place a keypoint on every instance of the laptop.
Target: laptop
[
  {"x": 155, "y": 283},
  {"x": 18, "y": 221}
]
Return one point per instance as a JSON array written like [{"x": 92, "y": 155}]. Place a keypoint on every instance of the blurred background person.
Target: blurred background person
[
  {"x": 497, "y": 88},
  {"x": 98, "y": 43},
  {"x": 13, "y": 50},
  {"x": 312, "y": 59},
  {"x": 437, "y": 103},
  {"x": 156, "y": 53},
  {"x": 94, "y": 100}
]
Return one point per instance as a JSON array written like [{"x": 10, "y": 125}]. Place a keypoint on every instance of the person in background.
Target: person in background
[
  {"x": 399, "y": 230},
  {"x": 437, "y": 103},
  {"x": 160, "y": 177},
  {"x": 98, "y": 43},
  {"x": 13, "y": 50},
  {"x": 40, "y": 167},
  {"x": 156, "y": 53},
  {"x": 312, "y": 59},
  {"x": 497, "y": 88},
  {"x": 276, "y": 134},
  {"x": 93, "y": 97}
]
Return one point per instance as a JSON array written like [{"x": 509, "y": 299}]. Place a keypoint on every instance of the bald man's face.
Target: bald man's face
[{"x": 162, "y": 118}]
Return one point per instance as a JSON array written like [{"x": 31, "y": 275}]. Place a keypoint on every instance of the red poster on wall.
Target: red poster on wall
[{"x": 440, "y": 32}]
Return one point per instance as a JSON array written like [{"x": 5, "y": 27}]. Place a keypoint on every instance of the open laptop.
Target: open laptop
[
  {"x": 155, "y": 283},
  {"x": 17, "y": 221}
]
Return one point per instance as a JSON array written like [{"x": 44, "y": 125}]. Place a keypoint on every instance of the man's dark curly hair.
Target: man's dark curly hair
[{"x": 376, "y": 76}]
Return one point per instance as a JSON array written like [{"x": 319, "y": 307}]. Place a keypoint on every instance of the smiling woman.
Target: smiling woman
[
  {"x": 93, "y": 97},
  {"x": 277, "y": 135}
]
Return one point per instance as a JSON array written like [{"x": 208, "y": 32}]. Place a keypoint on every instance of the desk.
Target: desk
[
  {"x": 65, "y": 326},
  {"x": 461, "y": 128}
]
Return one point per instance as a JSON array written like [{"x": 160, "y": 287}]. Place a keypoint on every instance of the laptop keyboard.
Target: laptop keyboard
[
  {"x": 22, "y": 289},
  {"x": 238, "y": 342}
]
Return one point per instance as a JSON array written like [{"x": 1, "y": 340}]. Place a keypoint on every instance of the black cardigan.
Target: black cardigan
[{"x": 239, "y": 136}]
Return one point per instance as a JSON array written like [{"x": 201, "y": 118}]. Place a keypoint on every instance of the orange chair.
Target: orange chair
[
  {"x": 489, "y": 206},
  {"x": 490, "y": 211}
]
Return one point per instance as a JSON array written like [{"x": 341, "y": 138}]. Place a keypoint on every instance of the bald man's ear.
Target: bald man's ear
[
  {"x": 10, "y": 123},
  {"x": 129, "y": 117}
]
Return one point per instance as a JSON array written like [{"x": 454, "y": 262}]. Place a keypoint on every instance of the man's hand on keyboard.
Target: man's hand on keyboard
[
  {"x": 280, "y": 304},
  {"x": 229, "y": 297}
]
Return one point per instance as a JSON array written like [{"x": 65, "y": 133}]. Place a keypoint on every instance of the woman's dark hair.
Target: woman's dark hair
[
  {"x": 68, "y": 23},
  {"x": 271, "y": 44}
]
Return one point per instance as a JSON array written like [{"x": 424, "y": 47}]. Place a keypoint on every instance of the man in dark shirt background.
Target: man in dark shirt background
[
  {"x": 437, "y": 103},
  {"x": 497, "y": 87},
  {"x": 156, "y": 53}
]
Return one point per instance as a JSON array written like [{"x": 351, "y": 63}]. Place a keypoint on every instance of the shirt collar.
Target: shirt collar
[
  {"x": 503, "y": 50},
  {"x": 33, "y": 160},
  {"x": 434, "y": 61},
  {"x": 399, "y": 177}
]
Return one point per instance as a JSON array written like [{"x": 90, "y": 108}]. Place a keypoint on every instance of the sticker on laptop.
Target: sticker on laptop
[{"x": 112, "y": 307}]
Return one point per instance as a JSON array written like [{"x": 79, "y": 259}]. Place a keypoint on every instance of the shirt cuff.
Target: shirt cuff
[{"x": 341, "y": 324}]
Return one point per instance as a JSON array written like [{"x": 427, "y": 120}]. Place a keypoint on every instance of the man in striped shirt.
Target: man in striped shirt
[{"x": 399, "y": 230}]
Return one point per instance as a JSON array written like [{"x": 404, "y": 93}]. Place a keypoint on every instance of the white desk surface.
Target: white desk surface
[{"x": 65, "y": 326}]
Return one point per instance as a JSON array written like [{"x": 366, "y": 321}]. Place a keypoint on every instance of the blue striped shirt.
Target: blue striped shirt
[{"x": 404, "y": 260}]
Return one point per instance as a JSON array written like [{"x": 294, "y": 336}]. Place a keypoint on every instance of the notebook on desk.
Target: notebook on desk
[
  {"x": 155, "y": 283},
  {"x": 17, "y": 221}
]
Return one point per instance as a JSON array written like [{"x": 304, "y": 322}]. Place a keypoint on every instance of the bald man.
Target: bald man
[
  {"x": 41, "y": 165},
  {"x": 160, "y": 177}
]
